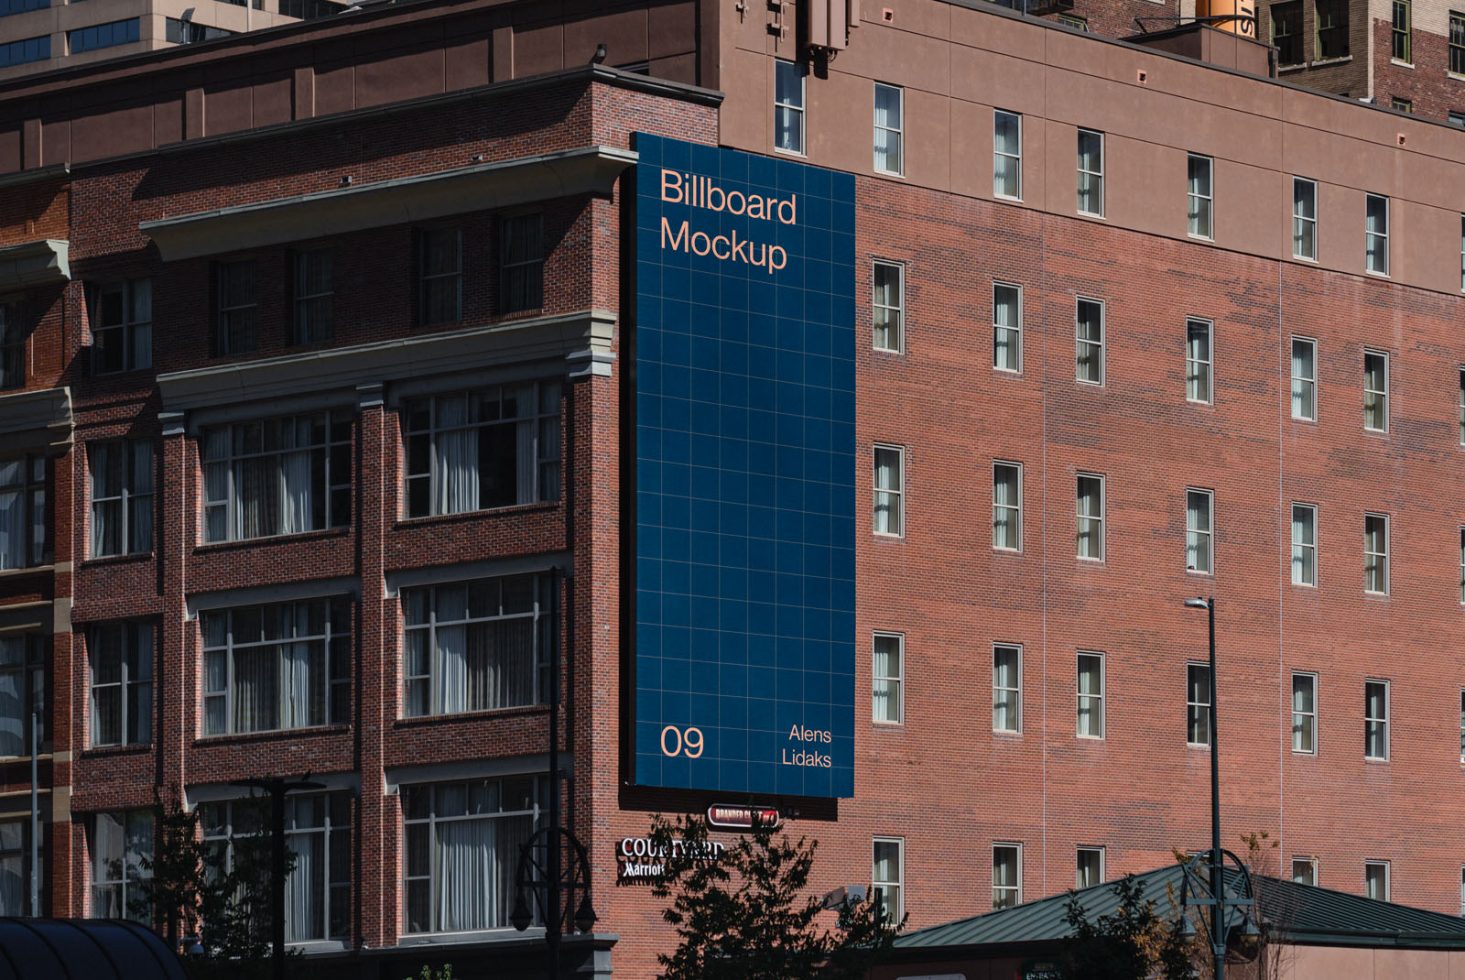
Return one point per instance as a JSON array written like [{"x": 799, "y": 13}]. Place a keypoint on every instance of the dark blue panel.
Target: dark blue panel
[{"x": 744, "y": 415}]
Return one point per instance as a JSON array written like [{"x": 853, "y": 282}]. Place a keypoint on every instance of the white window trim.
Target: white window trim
[
  {"x": 1209, "y": 535},
  {"x": 876, "y": 490},
  {"x": 1462, "y": 726},
  {"x": 1017, "y": 690},
  {"x": 1462, "y": 405},
  {"x": 1101, "y": 343},
  {"x": 1462, "y": 565},
  {"x": 1372, "y": 352},
  {"x": 996, "y": 113},
  {"x": 1210, "y": 693},
  {"x": 1209, "y": 362},
  {"x": 899, "y": 306},
  {"x": 1388, "y": 218},
  {"x": 1103, "y": 159},
  {"x": 1316, "y": 392},
  {"x": 1102, "y": 697},
  {"x": 1090, "y": 849},
  {"x": 1017, "y": 509},
  {"x": 1462, "y": 245},
  {"x": 799, "y": 109},
  {"x": 1296, "y": 218},
  {"x": 1016, "y": 889},
  {"x": 899, "y": 679},
  {"x": 1316, "y": 567},
  {"x": 899, "y": 131},
  {"x": 1292, "y": 710},
  {"x": 1388, "y": 878},
  {"x": 1210, "y": 198},
  {"x": 996, "y": 284},
  {"x": 899, "y": 883},
  {"x": 1311, "y": 862},
  {"x": 1388, "y": 532},
  {"x": 1384, "y": 719},
  {"x": 1101, "y": 517}
]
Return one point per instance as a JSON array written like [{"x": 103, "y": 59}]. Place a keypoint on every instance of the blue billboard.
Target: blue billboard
[{"x": 742, "y": 359}]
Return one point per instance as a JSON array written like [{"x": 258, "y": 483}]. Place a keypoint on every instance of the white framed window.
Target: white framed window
[
  {"x": 1462, "y": 891},
  {"x": 887, "y": 305},
  {"x": 1090, "y": 694},
  {"x": 1007, "y": 506},
  {"x": 1199, "y": 532},
  {"x": 1006, "y": 327},
  {"x": 1090, "y": 498},
  {"x": 1376, "y": 234},
  {"x": 1199, "y": 195},
  {"x": 1198, "y": 386},
  {"x": 887, "y": 877},
  {"x": 1376, "y": 554},
  {"x": 1089, "y": 341},
  {"x": 1089, "y": 867},
  {"x": 476, "y": 645},
  {"x": 1376, "y": 720},
  {"x": 1304, "y": 379},
  {"x": 1006, "y": 687},
  {"x": 1304, "y": 544},
  {"x": 1462, "y": 565},
  {"x": 1006, "y": 875},
  {"x": 1197, "y": 704},
  {"x": 1304, "y": 219},
  {"x": 120, "y": 842},
  {"x": 1375, "y": 391},
  {"x": 1007, "y": 154},
  {"x": 889, "y": 490},
  {"x": 1304, "y": 713},
  {"x": 462, "y": 837},
  {"x": 889, "y": 129},
  {"x": 1462, "y": 406},
  {"x": 887, "y": 673},
  {"x": 1304, "y": 870},
  {"x": 788, "y": 106},
  {"x": 121, "y": 659},
  {"x": 276, "y": 476},
  {"x": 1462, "y": 725},
  {"x": 1462, "y": 252},
  {"x": 1091, "y": 173},
  {"x": 1376, "y": 880}
]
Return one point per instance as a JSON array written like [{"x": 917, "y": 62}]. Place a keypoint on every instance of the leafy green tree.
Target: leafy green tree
[
  {"x": 1129, "y": 943},
  {"x": 173, "y": 883},
  {"x": 747, "y": 914}
]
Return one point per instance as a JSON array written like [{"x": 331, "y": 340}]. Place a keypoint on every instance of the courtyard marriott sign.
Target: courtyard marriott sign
[{"x": 644, "y": 858}]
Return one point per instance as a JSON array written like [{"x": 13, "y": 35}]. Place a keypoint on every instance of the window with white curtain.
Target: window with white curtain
[
  {"x": 889, "y": 490},
  {"x": 1462, "y": 565},
  {"x": 278, "y": 666},
  {"x": 1006, "y": 875},
  {"x": 121, "y": 316},
  {"x": 1197, "y": 704},
  {"x": 478, "y": 645},
  {"x": 22, "y": 688},
  {"x": 439, "y": 275},
  {"x": 463, "y": 841},
  {"x": 483, "y": 449},
  {"x": 120, "y": 842},
  {"x": 1462, "y": 726},
  {"x": 887, "y": 306},
  {"x": 1199, "y": 195},
  {"x": 1198, "y": 360},
  {"x": 889, "y": 129},
  {"x": 1304, "y": 219},
  {"x": 122, "y": 496},
  {"x": 1091, "y": 695},
  {"x": 1007, "y": 506},
  {"x": 276, "y": 476},
  {"x": 788, "y": 106},
  {"x": 236, "y": 293},
  {"x": 1304, "y": 713},
  {"x": 521, "y": 262},
  {"x": 15, "y": 328},
  {"x": 887, "y": 877},
  {"x": 15, "y": 861},
  {"x": 1304, "y": 870},
  {"x": 1089, "y": 341},
  {"x": 1006, "y": 688},
  {"x": 1090, "y": 499},
  {"x": 888, "y": 675},
  {"x": 1376, "y": 720},
  {"x": 312, "y": 296},
  {"x": 1375, "y": 391},
  {"x": 24, "y": 541},
  {"x": 318, "y": 835},
  {"x": 1006, "y": 327},
  {"x": 1304, "y": 544},
  {"x": 1462, "y": 406},
  {"x": 1375, "y": 553},
  {"x": 1462, "y": 248},
  {"x": 1007, "y": 154},
  {"x": 1091, "y": 173},
  {"x": 1199, "y": 532},
  {"x": 1376, "y": 234},
  {"x": 1376, "y": 880},
  {"x": 1304, "y": 379},
  {"x": 121, "y": 660},
  {"x": 1089, "y": 867}
]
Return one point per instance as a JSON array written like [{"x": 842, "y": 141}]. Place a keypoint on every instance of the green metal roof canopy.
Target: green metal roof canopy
[
  {"x": 1300, "y": 915},
  {"x": 84, "y": 949}
]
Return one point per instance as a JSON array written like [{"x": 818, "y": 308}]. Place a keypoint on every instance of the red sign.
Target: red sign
[{"x": 742, "y": 817}]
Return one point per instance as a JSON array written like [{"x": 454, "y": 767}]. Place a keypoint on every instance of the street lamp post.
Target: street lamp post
[{"x": 1218, "y": 930}]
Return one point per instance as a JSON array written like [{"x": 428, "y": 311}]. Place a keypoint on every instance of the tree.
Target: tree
[
  {"x": 1130, "y": 942},
  {"x": 747, "y": 914},
  {"x": 173, "y": 883}
]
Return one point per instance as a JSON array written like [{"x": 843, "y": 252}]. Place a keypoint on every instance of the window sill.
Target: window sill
[
  {"x": 1401, "y": 64},
  {"x": 888, "y": 173},
  {"x": 109, "y": 751},
  {"x": 1288, "y": 69},
  {"x": 886, "y": 536},
  {"x": 231, "y": 738},
  {"x": 417, "y": 721},
  {"x": 1375, "y": 761},
  {"x": 1090, "y": 738},
  {"x": 209, "y": 547},
  {"x": 1006, "y": 197},
  {"x": 1377, "y": 275},
  {"x": 1008, "y": 552},
  {"x": 889, "y": 351},
  {"x": 313, "y": 947},
  {"x": 139, "y": 557},
  {"x": 475, "y": 936},
  {"x": 1197, "y": 747},
  {"x": 1304, "y": 258},
  {"x": 1327, "y": 62},
  {"x": 800, "y": 154},
  {"x": 1007, "y": 372},
  {"x": 1210, "y": 239},
  {"x": 1091, "y": 215},
  {"x": 899, "y": 726},
  {"x": 472, "y": 515}
]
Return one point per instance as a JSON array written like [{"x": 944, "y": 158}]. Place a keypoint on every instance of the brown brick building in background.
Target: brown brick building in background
[{"x": 1131, "y": 328}]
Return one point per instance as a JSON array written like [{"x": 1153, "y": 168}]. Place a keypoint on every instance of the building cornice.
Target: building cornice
[
  {"x": 36, "y": 421},
  {"x": 43, "y": 262}
]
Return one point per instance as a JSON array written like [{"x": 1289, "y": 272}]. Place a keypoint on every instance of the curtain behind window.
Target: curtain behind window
[
  {"x": 457, "y": 459},
  {"x": 466, "y": 865},
  {"x": 12, "y": 530},
  {"x": 305, "y": 889},
  {"x": 12, "y": 869}
]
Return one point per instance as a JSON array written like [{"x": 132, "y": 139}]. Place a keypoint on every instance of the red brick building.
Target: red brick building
[{"x": 312, "y": 443}]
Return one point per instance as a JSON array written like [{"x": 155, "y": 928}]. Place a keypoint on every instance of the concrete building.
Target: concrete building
[{"x": 848, "y": 404}]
